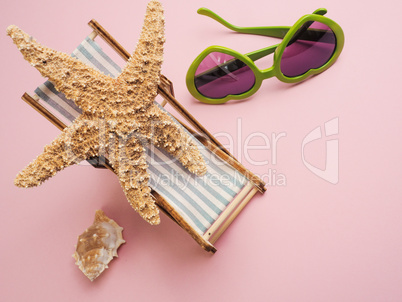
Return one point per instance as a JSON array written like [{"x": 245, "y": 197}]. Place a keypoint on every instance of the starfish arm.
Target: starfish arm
[
  {"x": 167, "y": 134},
  {"x": 142, "y": 72},
  {"x": 76, "y": 80},
  {"x": 77, "y": 142},
  {"x": 132, "y": 172}
]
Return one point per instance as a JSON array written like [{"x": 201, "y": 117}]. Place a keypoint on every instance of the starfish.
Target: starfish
[{"x": 118, "y": 117}]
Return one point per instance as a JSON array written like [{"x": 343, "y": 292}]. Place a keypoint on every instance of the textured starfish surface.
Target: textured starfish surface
[{"x": 118, "y": 117}]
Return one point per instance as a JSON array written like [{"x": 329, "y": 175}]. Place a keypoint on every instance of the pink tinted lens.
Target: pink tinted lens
[
  {"x": 220, "y": 74},
  {"x": 311, "y": 47}
]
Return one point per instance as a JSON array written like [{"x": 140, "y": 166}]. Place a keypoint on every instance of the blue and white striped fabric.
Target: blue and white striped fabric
[{"x": 200, "y": 200}]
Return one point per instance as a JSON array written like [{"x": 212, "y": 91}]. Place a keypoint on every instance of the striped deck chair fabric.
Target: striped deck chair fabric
[{"x": 200, "y": 200}]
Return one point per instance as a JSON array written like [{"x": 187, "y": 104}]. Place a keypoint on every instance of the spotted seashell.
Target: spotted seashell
[{"x": 97, "y": 246}]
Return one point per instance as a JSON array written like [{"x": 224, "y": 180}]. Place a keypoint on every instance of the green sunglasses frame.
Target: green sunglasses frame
[{"x": 284, "y": 32}]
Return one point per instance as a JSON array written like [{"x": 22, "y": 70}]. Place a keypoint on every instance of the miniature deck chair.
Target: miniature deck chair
[{"x": 204, "y": 207}]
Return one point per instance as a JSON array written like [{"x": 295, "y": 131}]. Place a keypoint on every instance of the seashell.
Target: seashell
[{"x": 97, "y": 246}]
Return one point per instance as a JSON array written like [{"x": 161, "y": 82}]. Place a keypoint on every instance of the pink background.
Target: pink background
[{"x": 308, "y": 240}]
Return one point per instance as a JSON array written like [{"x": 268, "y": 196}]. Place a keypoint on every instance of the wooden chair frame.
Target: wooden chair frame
[{"x": 165, "y": 89}]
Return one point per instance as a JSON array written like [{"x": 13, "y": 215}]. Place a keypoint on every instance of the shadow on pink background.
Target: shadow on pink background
[{"x": 306, "y": 239}]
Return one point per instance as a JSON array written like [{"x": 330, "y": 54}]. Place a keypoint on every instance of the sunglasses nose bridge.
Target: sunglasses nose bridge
[{"x": 267, "y": 73}]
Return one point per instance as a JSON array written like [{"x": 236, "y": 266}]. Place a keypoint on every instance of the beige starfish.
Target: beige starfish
[{"x": 118, "y": 115}]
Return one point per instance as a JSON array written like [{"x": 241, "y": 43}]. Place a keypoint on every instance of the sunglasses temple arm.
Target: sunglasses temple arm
[
  {"x": 270, "y": 31},
  {"x": 254, "y": 56}
]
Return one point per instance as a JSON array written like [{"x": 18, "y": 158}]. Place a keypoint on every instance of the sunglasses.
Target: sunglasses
[{"x": 309, "y": 47}]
